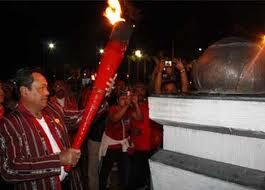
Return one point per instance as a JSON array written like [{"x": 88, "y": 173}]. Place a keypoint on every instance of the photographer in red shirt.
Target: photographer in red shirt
[{"x": 116, "y": 140}]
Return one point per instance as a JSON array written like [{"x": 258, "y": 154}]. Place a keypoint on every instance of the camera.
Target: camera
[{"x": 168, "y": 63}]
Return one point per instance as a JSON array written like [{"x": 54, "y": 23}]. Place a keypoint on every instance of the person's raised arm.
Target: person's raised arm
[
  {"x": 137, "y": 114},
  {"x": 158, "y": 77},
  {"x": 183, "y": 76}
]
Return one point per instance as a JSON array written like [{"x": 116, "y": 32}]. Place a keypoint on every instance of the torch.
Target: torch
[{"x": 110, "y": 61}]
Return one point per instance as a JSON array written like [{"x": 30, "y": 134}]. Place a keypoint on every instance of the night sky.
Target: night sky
[{"x": 79, "y": 29}]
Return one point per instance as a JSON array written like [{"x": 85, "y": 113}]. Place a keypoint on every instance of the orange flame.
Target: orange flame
[
  {"x": 263, "y": 39},
  {"x": 113, "y": 11}
]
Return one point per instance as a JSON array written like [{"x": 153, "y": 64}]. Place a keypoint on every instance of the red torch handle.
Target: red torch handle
[
  {"x": 109, "y": 64},
  {"x": 111, "y": 59}
]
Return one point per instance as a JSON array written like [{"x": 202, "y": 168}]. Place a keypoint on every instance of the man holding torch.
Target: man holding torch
[
  {"x": 34, "y": 143},
  {"x": 33, "y": 139},
  {"x": 111, "y": 59}
]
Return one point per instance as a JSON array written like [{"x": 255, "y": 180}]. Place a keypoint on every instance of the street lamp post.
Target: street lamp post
[
  {"x": 128, "y": 67},
  {"x": 47, "y": 49},
  {"x": 144, "y": 70},
  {"x": 138, "y": 55},
  {"x": 99, "y": 54}
]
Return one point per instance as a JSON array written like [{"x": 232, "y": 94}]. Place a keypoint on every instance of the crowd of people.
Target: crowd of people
[{"x": 39, "y": 120}]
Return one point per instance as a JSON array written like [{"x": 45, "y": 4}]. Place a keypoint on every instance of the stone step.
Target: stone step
[
  {"x": 172, "y": 170},
  {"x": 244, "y": 151}
]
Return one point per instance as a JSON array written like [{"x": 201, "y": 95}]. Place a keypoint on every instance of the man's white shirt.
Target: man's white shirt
[{"x": 54, "y": 145}]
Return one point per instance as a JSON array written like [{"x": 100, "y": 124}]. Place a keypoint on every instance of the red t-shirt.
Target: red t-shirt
[
  {"x": 142, "y": 141},
  {"x": 115, "y": 129}
]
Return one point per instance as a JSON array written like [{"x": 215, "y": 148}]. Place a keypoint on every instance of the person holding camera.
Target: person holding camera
[
  {"x": 115, "y": 142},
  {"x": 165, "y": 77}
]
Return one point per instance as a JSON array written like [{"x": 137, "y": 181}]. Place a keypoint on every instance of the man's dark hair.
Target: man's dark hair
[{"x": 23, "y": 77}]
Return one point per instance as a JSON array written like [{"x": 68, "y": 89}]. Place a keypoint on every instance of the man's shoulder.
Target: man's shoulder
[
  {"x": 13, "y": 113},
  {"x": 53, "y": 107},
  {"x": 12, "y": 117}
]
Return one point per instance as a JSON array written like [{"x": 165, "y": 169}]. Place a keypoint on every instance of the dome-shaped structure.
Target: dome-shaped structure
[{"x": 231, "y": 66}]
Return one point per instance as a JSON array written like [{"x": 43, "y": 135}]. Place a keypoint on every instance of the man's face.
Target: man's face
[
  {"x": 140, "y": 90},
  {"x": 2, "y": 94},
  {"x": 124, "y": 100},
  {"x": 169, "y": 70},
  {"x": 37, "y": 96},
  {"x": 59, "y": 88}
]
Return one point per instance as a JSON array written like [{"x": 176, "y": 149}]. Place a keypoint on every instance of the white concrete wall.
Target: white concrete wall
[
  {"x": 169, "y": 178},
  {"x": 237, "y": 150},
  {"x": 247, "y": 115}
]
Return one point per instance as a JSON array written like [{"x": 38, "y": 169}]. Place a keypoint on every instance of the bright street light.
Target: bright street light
[
  {"x": 51, "y": 45},
  {"x": 101, "y": 51},
  {"x": 138, "y": 53}
]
